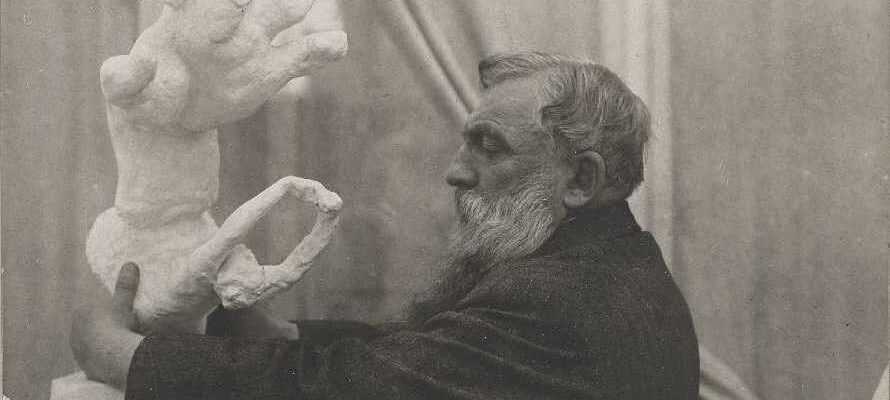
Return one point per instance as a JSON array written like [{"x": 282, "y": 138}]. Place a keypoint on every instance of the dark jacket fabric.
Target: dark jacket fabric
[{"x": 593, "y": 314}]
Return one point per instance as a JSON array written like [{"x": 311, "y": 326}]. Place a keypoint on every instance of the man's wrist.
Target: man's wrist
[{"x": 255, "y": 322}]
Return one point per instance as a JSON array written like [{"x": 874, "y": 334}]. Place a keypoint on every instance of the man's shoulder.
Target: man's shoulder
[
  {"x": 616, "y": 275},
  {"x": 588, "y": 264}
]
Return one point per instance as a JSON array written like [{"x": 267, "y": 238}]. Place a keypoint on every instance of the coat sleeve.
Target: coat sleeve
[{"x": 472, "y": 353}]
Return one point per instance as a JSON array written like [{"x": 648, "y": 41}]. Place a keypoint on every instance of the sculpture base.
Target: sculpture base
[{"x": 77, "y": 387}]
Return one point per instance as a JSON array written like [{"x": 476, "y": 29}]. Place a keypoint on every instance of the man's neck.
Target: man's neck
[{"x": 585, "y": 225}]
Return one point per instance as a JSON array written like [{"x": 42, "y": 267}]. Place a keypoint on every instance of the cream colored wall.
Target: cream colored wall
[
  {"x": 781, "y": 188},
  {"x": 57, "y": 174}
]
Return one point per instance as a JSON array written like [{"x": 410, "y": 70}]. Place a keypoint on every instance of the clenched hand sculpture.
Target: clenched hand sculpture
[{"x": 203, "y": 63}]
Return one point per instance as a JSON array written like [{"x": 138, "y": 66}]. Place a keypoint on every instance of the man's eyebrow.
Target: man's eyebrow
[{"x": 486, "y": 127}]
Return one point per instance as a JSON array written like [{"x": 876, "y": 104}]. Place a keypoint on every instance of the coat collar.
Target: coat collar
[{"x": 586, "y": 226}]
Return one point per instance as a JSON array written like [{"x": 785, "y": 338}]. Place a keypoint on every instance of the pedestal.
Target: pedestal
[{"x": 77, "y": 387}]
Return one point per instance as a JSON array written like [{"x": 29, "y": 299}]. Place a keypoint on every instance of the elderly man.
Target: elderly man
[{"x": 551, "y": 288}]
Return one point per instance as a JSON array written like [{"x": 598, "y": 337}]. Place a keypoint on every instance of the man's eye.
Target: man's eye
[{"x": 489, "y": 145}]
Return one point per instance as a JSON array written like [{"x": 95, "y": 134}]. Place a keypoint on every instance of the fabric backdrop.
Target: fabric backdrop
[{"x": 767, "y": 178}]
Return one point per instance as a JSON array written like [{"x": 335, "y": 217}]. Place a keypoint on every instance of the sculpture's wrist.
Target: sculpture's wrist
[
  {"x": 138, "y": 120},
  {"x": 156, "y": 189}
]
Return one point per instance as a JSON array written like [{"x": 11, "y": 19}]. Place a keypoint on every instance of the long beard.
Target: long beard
[
  {"x": 490, "y": 232},
  {"x": 505, "y": 228}
]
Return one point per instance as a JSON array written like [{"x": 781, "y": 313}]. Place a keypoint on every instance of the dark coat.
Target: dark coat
[{"x": 593, "y": 314}]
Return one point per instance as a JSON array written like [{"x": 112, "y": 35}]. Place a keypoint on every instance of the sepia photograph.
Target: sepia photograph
[{"x": 454, "y": 199}]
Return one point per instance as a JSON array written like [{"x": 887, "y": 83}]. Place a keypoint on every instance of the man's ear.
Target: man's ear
[{"x": 587, "y": 181}]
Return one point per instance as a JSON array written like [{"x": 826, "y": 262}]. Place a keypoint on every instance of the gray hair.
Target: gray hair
[{"x": 590, "y": 109}]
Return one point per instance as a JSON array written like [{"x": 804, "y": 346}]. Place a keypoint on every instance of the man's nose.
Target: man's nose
[{"x": 460, "y": 173}]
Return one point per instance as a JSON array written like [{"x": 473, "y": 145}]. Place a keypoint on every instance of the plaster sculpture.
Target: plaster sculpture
[{"x": 203, "y": 63}]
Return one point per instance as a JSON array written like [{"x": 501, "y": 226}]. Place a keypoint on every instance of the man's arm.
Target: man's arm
[
  {"x": 504, "y": 341},
  {"x": 508, "y": 341},
  {"x": 256, "y": 322},
  {"x": 104, "y": 337},
  {"x": 477, "y": 351}
]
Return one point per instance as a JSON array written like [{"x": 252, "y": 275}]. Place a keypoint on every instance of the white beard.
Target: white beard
[
  {"x": 508, "y": 227},
  {"x": 490, "y": 232}
]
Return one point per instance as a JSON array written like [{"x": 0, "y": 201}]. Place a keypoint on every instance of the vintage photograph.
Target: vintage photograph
[{"x": 463, "y": 199}]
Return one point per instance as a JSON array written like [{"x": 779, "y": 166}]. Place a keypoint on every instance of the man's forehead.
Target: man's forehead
[{"x": 514, "y": 102}]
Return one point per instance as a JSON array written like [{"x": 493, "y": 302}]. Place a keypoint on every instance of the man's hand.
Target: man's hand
[
  {"x": 256, "y": 322},
  {"x": 103, "y": 337}
]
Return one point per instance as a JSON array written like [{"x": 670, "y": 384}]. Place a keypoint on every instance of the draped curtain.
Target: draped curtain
[{"x": 766, "y": 180}]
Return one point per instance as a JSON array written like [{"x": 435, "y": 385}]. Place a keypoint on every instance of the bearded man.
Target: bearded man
[{"x": 551, "y": 291}]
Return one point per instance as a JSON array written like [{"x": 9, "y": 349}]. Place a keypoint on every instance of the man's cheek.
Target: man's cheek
[{"x": 499, "y": 177}]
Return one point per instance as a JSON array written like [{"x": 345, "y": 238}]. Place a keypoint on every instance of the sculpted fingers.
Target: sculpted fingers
[
  {"x": 273, "y": 16},
  {"x": 293, "y": 59},
  {"x": 235, "y": 228},
  {"x": 313, "y": 192},
  {"x": 329, "y": 202},
  {"x": 241, "y": 281},
  {"x": 124, "y": 77},
  {"x": 324, "y": 16},
  {"x": 318, "y": 238},
  {"x": 281, "y": 277}
]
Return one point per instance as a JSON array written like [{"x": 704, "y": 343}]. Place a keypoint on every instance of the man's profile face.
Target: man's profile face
[
  {"x": 503, "y": 138},
  {"x": 507, "y": 177},
  {"x": 508, "y": 190}
]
